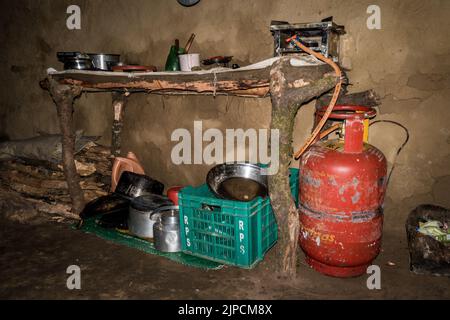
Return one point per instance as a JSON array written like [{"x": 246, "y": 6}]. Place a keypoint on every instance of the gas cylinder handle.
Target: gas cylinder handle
[{"x": 344, "y": 112}]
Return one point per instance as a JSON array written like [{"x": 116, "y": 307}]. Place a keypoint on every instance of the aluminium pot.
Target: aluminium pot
[
  {"x": 80, "y": 62},
  {"x": 143, "y": 214},
  {"x": 166, "y": 231},
  {"x": 104, "y": 61}
]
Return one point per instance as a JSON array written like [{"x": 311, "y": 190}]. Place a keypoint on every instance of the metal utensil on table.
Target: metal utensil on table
[
  {"x": 63, "y": 55},
  {"x": 166, "y": 231},
  {"x": 188, "y": 45},
  {"x": 222, "y": 61},
  {"x": 78, "y": 64},
  {"x": 240, "y": 181},
  {"x": 133, "y": 68},
  {"x": 103, "y": 61},
  {"x": 75, "y": 61}
]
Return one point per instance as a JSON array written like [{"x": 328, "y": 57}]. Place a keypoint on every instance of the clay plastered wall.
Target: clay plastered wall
[{"x": 407, "y": 62}]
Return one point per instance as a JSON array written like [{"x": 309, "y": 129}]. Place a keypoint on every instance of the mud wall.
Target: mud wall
[{"x": 407, "y": 62}]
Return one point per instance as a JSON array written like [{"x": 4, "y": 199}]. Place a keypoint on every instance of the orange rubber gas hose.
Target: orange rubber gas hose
[
  {"x": 333, "y": 101},
  {"x": 329, "y": 130}
]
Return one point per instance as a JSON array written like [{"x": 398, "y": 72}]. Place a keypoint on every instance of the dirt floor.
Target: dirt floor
[{"x": 34, "y": 258}]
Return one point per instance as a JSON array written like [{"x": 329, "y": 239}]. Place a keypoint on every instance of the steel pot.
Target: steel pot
[
  {"x": 166, "y": 231},
  {"x": 103, "y": 61},
  {"x": 141, "y": 212},
  {"x": 81, "y": 62}
]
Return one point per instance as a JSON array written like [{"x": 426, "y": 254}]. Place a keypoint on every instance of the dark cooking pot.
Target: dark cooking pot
[
  {"x": 132, "y": 185},
  {"x": 219, "y": 60}
]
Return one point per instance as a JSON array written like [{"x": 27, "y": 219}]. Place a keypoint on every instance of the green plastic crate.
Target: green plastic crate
[{"x": 231, "y": 232}]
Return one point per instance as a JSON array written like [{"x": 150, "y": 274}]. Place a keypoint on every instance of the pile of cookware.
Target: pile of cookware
[
  {"x": 178, "y": 59},
  {"x": 88, "y": 61},
  {"x": 74, "y": 60},
  {"x": 138, "y": 207},
  {"x": 156, "y": 217}
]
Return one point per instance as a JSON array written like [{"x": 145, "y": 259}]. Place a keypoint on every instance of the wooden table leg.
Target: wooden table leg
[
  {"x": 118, "y": 102},
  {"x": 64, "y": 96},
  {"x": 289, "y": 89}
]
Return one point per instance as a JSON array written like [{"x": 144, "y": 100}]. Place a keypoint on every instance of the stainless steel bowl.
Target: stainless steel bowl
[
  {"x": 104, "y": 61},
  {"x": 237, "y": 181}
]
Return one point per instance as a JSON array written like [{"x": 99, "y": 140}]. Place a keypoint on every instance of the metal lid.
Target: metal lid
[
  {"x": 155, "y": 216},
  {"x": 149, "y": 202},
  {"x": 114, "y": 55}
]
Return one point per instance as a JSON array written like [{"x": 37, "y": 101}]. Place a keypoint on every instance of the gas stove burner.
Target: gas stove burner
[{"x": 321, "y": 36}]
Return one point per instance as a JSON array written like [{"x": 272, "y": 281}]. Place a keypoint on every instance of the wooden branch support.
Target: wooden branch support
[
  {"x": 289, "y": 90},
  {"x": 249, "y": 83},
  {"x": 119, "y": 101},
  {"x": 367, "y": 98},
  {"x": 64, "y": 96}
]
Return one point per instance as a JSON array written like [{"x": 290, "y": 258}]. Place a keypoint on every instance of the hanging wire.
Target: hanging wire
[{"x": 399, "y": 149}]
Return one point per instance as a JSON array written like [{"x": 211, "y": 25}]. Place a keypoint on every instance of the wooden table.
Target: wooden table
[{"x": 290, "y": 81}]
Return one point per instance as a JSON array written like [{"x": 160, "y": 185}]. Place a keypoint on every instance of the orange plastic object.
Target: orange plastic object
[
  {"x": 172, "y": 193},
  {"x": 121, "y": 164}
]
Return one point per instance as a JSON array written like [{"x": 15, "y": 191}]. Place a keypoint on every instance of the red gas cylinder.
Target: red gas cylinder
[{"x": 342, "y": 187}]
